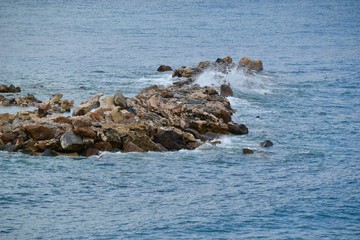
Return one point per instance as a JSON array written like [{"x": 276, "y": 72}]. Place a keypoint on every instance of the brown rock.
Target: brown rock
[
  {"x": 164, "y": 68},
  {"x": 91, "y": 152},
  {"x": 238, "y": 129},
  {"x": 247, "y": 151},
  {"x": 103, "y": 146},
  {"x": 87, "y": 132},
  {"x": 251, "y": 65},
  {"x": 131, "y": 147},
  {"x": 226, "y": 91},
  {"x": 89, "y": 105},
  {"x": 40, "y": 132}
]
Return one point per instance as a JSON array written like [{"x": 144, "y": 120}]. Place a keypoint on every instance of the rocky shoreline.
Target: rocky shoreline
[{"x": 182, "y": 116}]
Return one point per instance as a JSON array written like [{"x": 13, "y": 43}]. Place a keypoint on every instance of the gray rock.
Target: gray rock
[
  {"x": 266, "y": 143},
  {"x": 71, "y": 142},
  {"x": 120, "y": 100}
]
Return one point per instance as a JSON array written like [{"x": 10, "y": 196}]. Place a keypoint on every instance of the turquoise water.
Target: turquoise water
[{"x": 307, "y": 102}]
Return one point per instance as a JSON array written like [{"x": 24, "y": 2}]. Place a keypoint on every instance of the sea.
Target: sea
[{"x": 306, "y": 101}]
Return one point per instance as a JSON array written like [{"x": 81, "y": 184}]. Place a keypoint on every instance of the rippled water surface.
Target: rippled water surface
[{"x": 307, "y": 101}]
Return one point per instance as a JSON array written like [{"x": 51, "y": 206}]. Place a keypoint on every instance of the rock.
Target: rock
[
  {"x": 106, "y": 102},
  {"x": 164, "y": 68},
  {"x": 186, "y": 72},
  {"x": 170, "y": 139},
  {"x": 89, "y": 105},
  {"x": 251, "y": 65},
  {"x": 131, "y": 147},
  {"x": 2, "y": 145},
  {"x": 50, "y": 153},
  {"x": 238, "y": 129},
  {"x": 40, "y": 132},
  {"x": 9, "y": 89},
  {"x": 71, "y": 142},
  {"x": 103, "y": 146},
  {"x": 226, "y": 91},
  {"x": 247, "y": 151},
  {"x": 120, "y": 100},
  {"x": 204, "y": 65},
  {"x": 27, "y": 101},
  {"x": 143, "y": 142},
  {"x": 87, "y": 132},
  {"x": 266, "y": 143},
  {"x": 91, "y": 152},
  {"x": 228, "y": 60}
]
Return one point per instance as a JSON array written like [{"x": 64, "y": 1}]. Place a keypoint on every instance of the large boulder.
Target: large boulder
[
  {"x": 40, "y": 132},
  {"x": 120, "y": 100},
  {"x": 71, "y": 142}
]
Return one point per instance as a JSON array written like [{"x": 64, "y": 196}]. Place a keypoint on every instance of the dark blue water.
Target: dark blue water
[{"x": 308, "y": 101}]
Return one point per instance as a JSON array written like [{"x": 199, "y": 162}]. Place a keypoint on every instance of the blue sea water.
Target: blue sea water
[{"x": 307, "y": 101}]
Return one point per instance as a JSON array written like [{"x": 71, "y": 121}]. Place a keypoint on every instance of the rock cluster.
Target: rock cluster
[
  {"x": 9, "y": 89},
  {"x": 182, "y": 116},
  {"x": 223, "y": 65},
  {"x": 24, "y": 101},
  {"x": 157, "y": 119}
]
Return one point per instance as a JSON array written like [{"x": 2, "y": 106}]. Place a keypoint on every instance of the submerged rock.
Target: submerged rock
[
  {"x": 247, "y": 151},
  {"x": 266, "y": 143}
]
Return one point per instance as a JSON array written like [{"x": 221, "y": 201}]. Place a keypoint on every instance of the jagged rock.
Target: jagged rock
[
  {"x": 120, "y": 100},
  {"x": 132, "y": 147},
  {"x": 226, "y": 91},
  {"x": 238, "y": 129},
  {"x": 143, "y": 142},
  {"x": 71, "y": 142},
  {"x": 106, "y": 102},
  {"x": 164, "y": 68},
  {"x": 266, "y": 143},
  {"x": 26, "y": 101},
  {"x": 86, "y": 132},
  {"x": 185, "y": 72},
  {"x": 251, "y": 65},
  {"x": 89, "y": 105},
  {"x": 9, "y": 89},
  {"x": 173, "y": 138},
  {"x": 40, "y": 132}
]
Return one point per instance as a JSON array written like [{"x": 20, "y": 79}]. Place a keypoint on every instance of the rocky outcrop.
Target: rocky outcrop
[
  {"x": 9, "y": 89},
  {"x": 22, "y": 101},
  {"x": 182, "y": 116}
]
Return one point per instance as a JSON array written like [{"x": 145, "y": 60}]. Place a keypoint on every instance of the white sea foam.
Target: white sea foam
[{"x": 239, "y": 82}]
